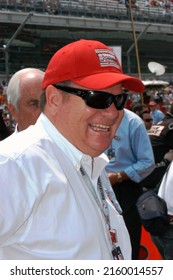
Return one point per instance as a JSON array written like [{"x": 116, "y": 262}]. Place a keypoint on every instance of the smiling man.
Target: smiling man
[{"x": 61, "y": 204}]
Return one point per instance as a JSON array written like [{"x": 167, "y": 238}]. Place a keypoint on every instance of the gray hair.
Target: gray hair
[
  {"x": 43, "y": 94},
  {"x": 14, "y": 89}
]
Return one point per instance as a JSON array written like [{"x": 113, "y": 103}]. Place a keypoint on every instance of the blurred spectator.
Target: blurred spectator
[
  {"x": 4, "y": 84},
  {"x": 158, "y": 96},
  {"x": 146, "y": 117},
  {"x": 1, "y": 88},
  {"x": 23, "y": 94},
  {"x": 4, "y": 133},
  {"x": 156, "y": 114},
  {"x": 168, "y": 14},
  {"x": 134, "y": 5},
  {"x": 147, "y": 3},
  {"x": 137, "y": 108}
]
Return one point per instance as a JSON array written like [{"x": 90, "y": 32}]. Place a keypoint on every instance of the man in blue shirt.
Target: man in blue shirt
[
  {"x": 156, "y": 114},
  {"x": 131, "y": 160}
]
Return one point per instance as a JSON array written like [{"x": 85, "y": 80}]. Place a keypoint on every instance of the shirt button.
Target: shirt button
[{"x": 77, "y": 167}]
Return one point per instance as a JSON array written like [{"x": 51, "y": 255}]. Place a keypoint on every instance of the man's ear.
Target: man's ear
[
  {"x": 53, "y": 98},
  {"x": 13, "y": 111}
]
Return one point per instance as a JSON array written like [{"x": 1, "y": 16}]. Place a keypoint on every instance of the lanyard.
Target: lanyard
[
  {"x": 116, "y": 251},
  {"x": 104, "y": 207}
]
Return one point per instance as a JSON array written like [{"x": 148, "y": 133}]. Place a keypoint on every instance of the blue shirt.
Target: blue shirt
[{"x": 131, "y": 150}]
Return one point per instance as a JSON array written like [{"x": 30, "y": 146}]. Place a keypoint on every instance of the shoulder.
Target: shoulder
[
  {"x": 159, "y": 112},
  {"x": 167, "y": 123},
  {"x": 131, "y": 125},
  {"x": 132, "y": 117},
  {"x": 17, "y": 143}
]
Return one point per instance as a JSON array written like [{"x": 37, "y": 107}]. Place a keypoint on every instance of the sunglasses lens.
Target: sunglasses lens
[
  {"x": 148, "y": 120},
  {"x": 98, "y": 100},
  {"x": 120, "y": 101},
  {"x": 102, "y": 100}
]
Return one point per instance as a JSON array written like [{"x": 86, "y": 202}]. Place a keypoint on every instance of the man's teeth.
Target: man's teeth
[{"x": 100, "y": 127}]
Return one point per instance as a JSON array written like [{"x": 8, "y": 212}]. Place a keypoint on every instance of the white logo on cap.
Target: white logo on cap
[{"x": 107, "y": 58}]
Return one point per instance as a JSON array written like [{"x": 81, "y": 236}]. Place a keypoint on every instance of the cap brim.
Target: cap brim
[{"x": 105, "y": 80}]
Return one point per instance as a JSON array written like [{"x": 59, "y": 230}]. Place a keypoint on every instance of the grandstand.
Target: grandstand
[
  {"x": 54, "y": 23},
  {"x": 90, "y": 8}
]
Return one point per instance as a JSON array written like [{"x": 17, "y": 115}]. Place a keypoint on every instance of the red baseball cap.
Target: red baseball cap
[{"x": 90, "y": 64}]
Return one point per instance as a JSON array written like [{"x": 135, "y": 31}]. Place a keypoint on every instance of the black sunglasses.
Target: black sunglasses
[
  {"x": 97, "y": 99},
  {"x": 148, "y": 120}
]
